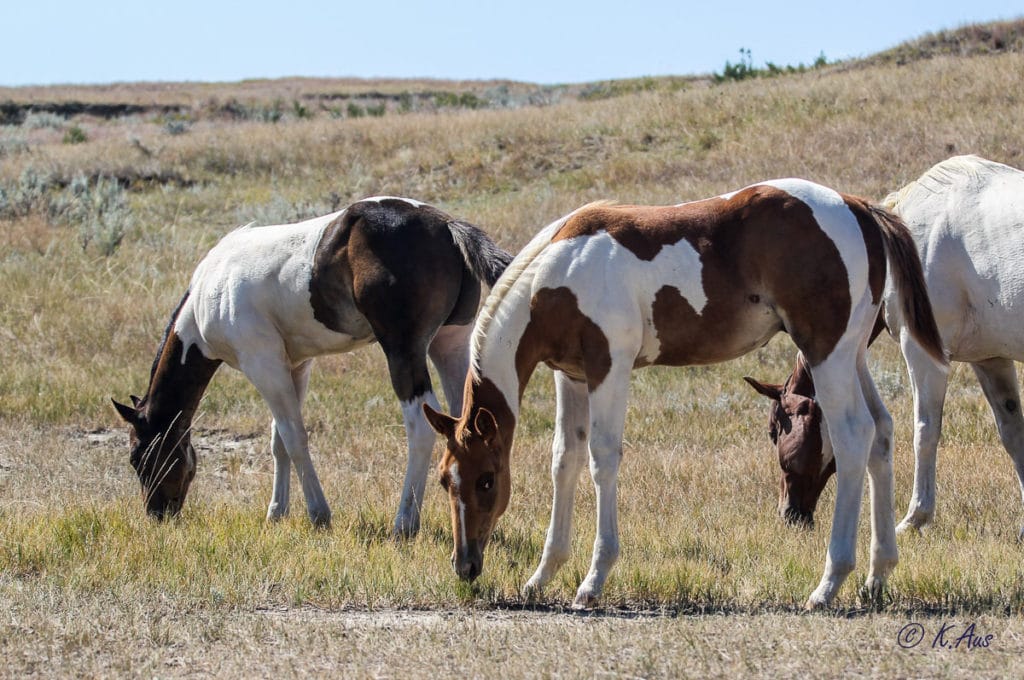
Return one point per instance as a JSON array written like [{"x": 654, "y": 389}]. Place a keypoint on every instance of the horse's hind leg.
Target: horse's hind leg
[
  {"x": 884, "y": 554},
  {"x": 407, "y": 362},
  {"x": 279, "y": 500},
  {"x": 928, "y": 381},
  {"x": 449, "y": 350},
  {"x": 998, "y": 378},
  {"x": 568, "y": 456},
  {"x": 851, "y": 428}
]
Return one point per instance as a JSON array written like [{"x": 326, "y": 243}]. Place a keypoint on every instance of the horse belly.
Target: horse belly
[
  {"x": 679, "y": 335},
  {"x": 305, "y": 337}
]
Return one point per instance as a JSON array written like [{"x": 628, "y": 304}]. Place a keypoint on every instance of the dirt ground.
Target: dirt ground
[{"x": 42, "y": 635}]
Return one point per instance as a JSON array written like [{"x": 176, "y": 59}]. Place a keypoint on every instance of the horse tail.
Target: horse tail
[
  {"x": 483, "y": 257},
  {"x": 907, "y": 278}
]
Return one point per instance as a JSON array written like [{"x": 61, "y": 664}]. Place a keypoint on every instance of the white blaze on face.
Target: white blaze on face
[{"x": 456, "y": 482}]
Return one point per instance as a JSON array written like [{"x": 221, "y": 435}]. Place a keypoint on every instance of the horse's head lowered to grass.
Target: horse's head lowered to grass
[
  {"x": 474, "y": 472},
  {"x": 159, "y": 423},
  {"x": 797, "y": 429},
  {"x": 163, "y": 458}
]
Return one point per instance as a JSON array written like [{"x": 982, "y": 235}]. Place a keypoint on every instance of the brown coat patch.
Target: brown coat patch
[
  {"x": 562, "y": 336},
  {"x": 392, "y": 269},
  {"x": 763, "y": 258}
]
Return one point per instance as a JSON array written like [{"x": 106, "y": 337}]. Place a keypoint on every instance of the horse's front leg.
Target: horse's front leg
[
  {"x": 280, "y": 496},
  {"x": 568, "y": 454},
  {"x": 607, "y": 417},
  {"x": 277, "y": 384}
]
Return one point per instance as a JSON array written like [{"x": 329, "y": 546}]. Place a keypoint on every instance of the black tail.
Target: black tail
[{"x": 483, "y": 256}]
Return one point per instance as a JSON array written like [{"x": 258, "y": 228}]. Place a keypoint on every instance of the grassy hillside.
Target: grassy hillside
[{"x": 100, "y": 230}]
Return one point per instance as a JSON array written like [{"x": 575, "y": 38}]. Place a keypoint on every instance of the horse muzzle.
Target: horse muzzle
[
  {"x": 794, "y": 517},
  {"x": 470, "y": 563}
]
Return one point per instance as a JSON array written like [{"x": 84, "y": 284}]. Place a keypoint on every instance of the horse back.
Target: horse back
[
  {"x": 970, "y": 238},
  {"x": 715, "y": 279}
]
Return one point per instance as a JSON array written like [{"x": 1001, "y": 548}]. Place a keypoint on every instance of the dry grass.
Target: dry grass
[{"x": 88, "y": 586}]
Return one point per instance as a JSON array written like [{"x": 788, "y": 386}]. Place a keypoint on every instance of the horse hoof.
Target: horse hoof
[
  {"x": 531, "y": 591},
  {"x": 910, "y": 526},
  {"x": 405, "y": 530},
  {"x": 321, "y": 520},
  {"x": 584, "y": 601},
  {"x": 873, "y": 592},
  {"x": 815, "y": 604}
]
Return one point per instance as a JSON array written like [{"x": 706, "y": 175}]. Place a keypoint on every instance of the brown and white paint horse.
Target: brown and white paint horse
[
  {"x": 611, "y": 288},
  {"x": 267, "y": 300},
  {"x": 966, "y": 215}
]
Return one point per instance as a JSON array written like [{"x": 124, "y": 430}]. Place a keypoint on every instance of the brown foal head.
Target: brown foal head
[{"x": 797, "y": 429}]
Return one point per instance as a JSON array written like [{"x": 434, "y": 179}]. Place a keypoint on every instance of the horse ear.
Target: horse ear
[
  {"x": 767, "y": 389},
  {"x": 443, "y": 424},
  {"x": 135, "y": 400},
  {"x": 127, "y": 413},
  {"x": 486, "y": 425}
]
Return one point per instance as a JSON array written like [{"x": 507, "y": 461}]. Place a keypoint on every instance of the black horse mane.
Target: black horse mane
[{"x": 163, "y": 340}]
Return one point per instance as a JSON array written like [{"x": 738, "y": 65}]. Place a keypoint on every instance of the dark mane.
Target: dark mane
[{"x": 163, "y": 340}]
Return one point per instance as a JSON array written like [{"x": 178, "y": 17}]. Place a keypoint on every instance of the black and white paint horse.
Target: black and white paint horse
[{"x": 267, "y": 300}]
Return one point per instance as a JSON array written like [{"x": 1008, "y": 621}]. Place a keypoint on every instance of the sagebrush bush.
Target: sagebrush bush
[
  {"x": 98, "y": 209},
  {"x": 27, "y": 195},
  {"x": 12, "y": 142},
  {"x": 36, "y": 120}
]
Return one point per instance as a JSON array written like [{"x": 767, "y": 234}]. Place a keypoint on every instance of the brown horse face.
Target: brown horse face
[
  {"x": 473, "y": 473},
  {"x": 795, "y": 427},
  {"x": 164, "y": 462}
]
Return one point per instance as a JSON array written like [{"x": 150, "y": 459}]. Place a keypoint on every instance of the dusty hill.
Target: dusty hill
[
  {"x": 340, "y": 97},
  {"x": 967, "y": 41}
]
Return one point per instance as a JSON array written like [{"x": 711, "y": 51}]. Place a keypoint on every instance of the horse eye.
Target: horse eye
[{"x": 486, "y": 482}]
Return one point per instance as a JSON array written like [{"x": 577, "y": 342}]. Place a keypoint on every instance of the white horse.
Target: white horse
[
  {"x": 611, "y": 288},
  {"x": 966, "y": 215}
]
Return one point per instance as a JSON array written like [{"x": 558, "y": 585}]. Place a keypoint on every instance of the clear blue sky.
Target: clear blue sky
[{"x": 47, "y": 42}]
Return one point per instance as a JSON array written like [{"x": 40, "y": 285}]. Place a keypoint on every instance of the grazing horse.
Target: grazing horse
[
  {"x": 966, "y": 215},
  {"x": 611, "y": 288},
  {"x": 267, "y": 300}
]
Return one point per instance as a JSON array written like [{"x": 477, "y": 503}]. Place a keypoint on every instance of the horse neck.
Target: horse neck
[
  {"x": 500, "y": 369},
  {"x": 179, "y": 379}
]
